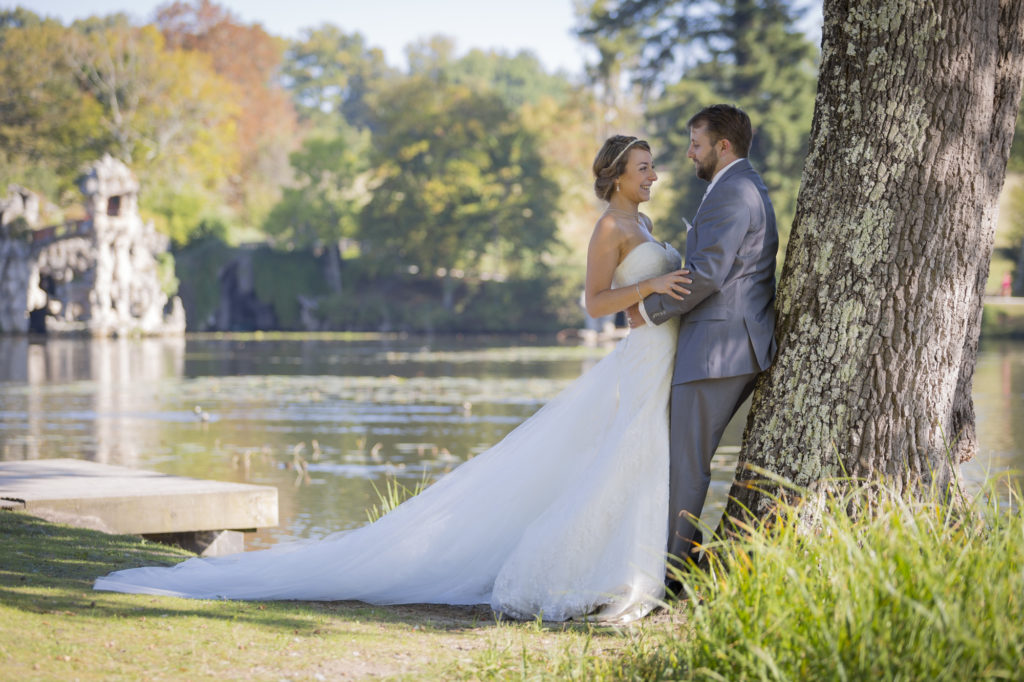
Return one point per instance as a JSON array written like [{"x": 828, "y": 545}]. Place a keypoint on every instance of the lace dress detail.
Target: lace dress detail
[{"x": 564, "y": 518}]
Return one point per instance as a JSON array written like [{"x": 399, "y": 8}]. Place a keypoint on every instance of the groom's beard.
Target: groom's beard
[{"x": 706, "y": 168}]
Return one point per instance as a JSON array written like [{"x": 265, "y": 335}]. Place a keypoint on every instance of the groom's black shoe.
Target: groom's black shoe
[{"x": 674, "y": 590}]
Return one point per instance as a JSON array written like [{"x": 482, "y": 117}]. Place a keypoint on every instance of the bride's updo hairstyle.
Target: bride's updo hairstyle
[{"x": 610, "y": 162}]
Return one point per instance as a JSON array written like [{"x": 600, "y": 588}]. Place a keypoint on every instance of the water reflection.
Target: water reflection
[
  {"x": 72, "y": 398},
  {"x": 999, "y": 407},
  {"x": 325, "y": 420},
  {"x": 347, "y": 414}
]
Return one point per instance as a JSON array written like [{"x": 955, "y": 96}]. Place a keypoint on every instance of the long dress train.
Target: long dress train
[{"x": 565, "y": 517}]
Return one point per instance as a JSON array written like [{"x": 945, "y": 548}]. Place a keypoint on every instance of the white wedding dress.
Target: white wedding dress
[{"x": 566, "y": 517}]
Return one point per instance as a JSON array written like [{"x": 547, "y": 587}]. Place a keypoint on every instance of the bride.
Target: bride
[{"x": 563, "y": 518}]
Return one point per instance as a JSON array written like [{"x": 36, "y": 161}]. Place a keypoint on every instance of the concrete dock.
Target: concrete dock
[{"x": 207, "y": 517}]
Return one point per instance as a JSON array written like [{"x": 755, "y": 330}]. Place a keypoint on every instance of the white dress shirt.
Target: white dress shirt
[{"x": 717, "y": 177}]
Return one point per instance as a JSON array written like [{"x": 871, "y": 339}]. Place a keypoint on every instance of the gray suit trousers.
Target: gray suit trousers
[{"x": 699, "y": 412}]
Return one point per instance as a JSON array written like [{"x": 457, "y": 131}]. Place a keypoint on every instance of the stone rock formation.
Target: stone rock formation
[{"x": 99, "y": 276}]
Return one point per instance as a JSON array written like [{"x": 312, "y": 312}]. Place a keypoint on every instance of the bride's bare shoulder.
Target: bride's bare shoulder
[{"x": 607, "y": 229}]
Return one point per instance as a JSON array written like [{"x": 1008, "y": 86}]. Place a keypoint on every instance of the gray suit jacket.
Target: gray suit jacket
[{"x": 728, "y": 319}]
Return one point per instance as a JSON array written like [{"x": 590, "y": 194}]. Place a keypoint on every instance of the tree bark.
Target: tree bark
[
  {"x": 332, "y": 270},
  {"x": 880, "y": 300}
]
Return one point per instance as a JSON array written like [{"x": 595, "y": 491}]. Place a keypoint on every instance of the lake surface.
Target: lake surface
[{"x": 355, "y": 413}]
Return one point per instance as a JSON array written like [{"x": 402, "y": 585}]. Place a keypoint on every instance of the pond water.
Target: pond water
[{"x": 357, "y": 412}]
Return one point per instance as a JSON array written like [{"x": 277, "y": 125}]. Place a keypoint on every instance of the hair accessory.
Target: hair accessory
[{"x": 619, "y": 155}]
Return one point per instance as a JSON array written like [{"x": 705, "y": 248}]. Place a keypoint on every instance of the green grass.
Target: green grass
[
  {"x": 393, "y": 494},
  {"x": 914, "y": 591}
]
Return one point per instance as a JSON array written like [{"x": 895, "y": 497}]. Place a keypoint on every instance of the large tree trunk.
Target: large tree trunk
[{"x": 881, "y": 296}]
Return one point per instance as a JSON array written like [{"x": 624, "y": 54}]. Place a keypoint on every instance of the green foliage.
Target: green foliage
[
  {"x": 416, "y": 304},
  {"x": 280, "y": 277},
  {"x": 387, "y": 305},
  {"x": 196, "y": 267},
  {"x": 1000, "y": 320},
  {"x": 165, "y": 273},
  {"x": 41, "y": 177},
  {"x": 332, "y": 74},
  {"x": 262, "y": 117},
  {"x": 476, "y": 166},
  {"x": 539, "y": 304},
  {"x": 461, "y": 184},
  {"x": 1015, "y": 164},
  {"x": 16, "y": 229},
  {"x": 167, "y": 112},
  {"x": 105, "y": 85},
  {"x": 19, "y": 17},
  {"x": 894, "y": 591},
  {"x": 192, "y": 117},
  {"x": 467, "y": 166},
  {"x": 517, "y": 79},
  {"x": 403, "y": 303},
  {"x": 323, "y": 205},
  {"x": 619, "y": 48},
  {"x": 1013, "y": 237},
  {"x": 49, "y": 127},
  {"x": 211, "y": 228},
  {"x": 182, "y": 214}
]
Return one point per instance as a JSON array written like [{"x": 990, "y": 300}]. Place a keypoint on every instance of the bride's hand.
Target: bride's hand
[{"x": 671, "y": 283}]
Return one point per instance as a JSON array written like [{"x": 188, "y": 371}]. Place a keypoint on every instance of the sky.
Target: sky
[{"x": 541, "y": 26}]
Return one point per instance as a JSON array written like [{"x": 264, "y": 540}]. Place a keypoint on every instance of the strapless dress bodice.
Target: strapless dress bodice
[{"x": 646, "y": 260}]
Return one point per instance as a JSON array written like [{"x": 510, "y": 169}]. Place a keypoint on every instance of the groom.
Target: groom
[{"x": 726, "y": 334}]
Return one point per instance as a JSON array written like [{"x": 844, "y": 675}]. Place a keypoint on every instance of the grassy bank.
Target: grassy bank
[{"x": 54, "y": 626}]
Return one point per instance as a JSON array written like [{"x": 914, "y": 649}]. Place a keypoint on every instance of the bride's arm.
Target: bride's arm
[{"x": 602, "y": 258}]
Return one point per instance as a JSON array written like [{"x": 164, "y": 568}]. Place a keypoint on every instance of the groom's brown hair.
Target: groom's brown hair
[{"x": 725, "y": 122}]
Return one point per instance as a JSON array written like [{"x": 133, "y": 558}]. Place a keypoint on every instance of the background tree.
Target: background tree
[
  {"x": 49, "y": 128},
  {"x": 323, "y": 204},
  {"x": 166, "y": 112},
  {"x": 518, "y": 79},
  {"x": 321, "y": 209},
  {"x": 618, "y": 50},
  {"x": 265, "y": 121},
  {"x": 331, "y": 74},
  {"x": 461, "y": 184},
  {"x": 331, "y": 77},
  {"x": 880, "y": 300},
  {"x": 566, "y": 123}
]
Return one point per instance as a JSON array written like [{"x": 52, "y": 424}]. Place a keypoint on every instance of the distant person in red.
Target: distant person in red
[{"x": 1007, "y": 281}]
